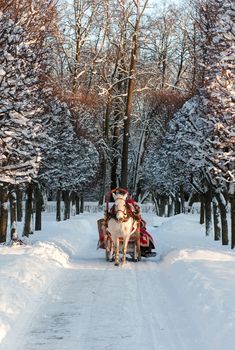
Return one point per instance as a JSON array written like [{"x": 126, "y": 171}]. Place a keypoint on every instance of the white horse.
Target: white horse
[{"x": 120, "y": 228}]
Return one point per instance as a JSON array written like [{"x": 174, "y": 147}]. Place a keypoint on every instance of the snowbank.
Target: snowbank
[
  {"x": 203, "y": 272},
  {"x": 28, "y": 271}
]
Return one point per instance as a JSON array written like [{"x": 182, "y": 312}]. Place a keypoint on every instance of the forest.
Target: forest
[{"x": 132, "y": 93}]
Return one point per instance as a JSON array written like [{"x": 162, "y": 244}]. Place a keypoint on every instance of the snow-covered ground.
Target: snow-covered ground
[{"x": 58, "y": 292}]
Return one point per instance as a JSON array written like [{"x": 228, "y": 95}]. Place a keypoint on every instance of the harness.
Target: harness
[{"x": 132, "y": 209}]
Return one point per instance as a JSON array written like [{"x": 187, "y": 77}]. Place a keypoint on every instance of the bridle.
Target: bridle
[
  {"x": 124, "y": 212},
  {"x": 107, "y": 199}
]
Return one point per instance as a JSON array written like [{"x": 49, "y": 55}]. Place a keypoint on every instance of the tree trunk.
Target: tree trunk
[
  {"x": 182, "y": 200},
  {"x": 106, "y": 138},
  {"x": 13, "y": 212},
  {"x": 177, "y": 204},
  {"x": 38, "y": 208},
  {"x": 156, "y": 203},
  {"x": 216, "y": 220},
  {"x": 233, "y": 221},
  {"x": 82, "y": 204},
  {"x": 103, "y": 182},
  {"x": 101, "y": 197},
  {"x": 223, "y": 215},
  {"x": 127, "y": 117},
  {"x": 77, "y": 205},
  {"x": 66, "y": 205},
  {"x": 137, "y": 194},
  {"x": 114, "y": 165},
  {"x": 192, "y": 199},
  {"x": 208, "y": 211},
  {"x": 170, "y": 207},
  {"x": 28, "y": 211},
  {"x": 202, "y": 209},
  {"x": 58, "y": 205},
  {"x": 115, "y": 137},
  {"x": 162, "y": 205},
  {"x": 3, "y": 214},
  {"x": 19, "y": 204},
  {"x": 139, "y": 160},
  {"x": 73, "y": 201}
]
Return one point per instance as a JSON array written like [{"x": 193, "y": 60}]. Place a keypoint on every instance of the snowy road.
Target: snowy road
[
  {"x": 165, "y": 303},
  {"x": 100, "y": 308}
]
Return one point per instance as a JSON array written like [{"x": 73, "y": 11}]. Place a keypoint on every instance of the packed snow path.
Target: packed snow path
[{"x": 171, "y": 302}]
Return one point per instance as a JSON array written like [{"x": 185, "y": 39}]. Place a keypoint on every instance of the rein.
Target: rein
[
  {"x": 126, "y": 212},
  {"x": 109, "y": 194}
]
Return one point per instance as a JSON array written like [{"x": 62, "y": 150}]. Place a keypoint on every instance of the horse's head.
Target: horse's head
[{"x": 120, "y": 206}]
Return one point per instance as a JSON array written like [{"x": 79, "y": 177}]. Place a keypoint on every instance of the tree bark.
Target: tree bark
[
  {"x": 58, "y": 205},
  {"x": 156, "y": 203},
  {"x": 233, "y": 221},
  {"x": 103, "y": 182},
  {"x": 66, "y": 205},
  {"x": 77, "y": 205},
  {"x": 202, "y": 209},
  {"x": 19, "y": 204},
  {"x": 114, "y": 164},
  {"x": 224, "y": 222},
  {"x": 118, "y": 112},
  {"x": 162, "y": 205},
  {"x": 3, "y": 214},
  {"x": 177, "y": 204},
  {"x": 170, "y": 206},
  {"x": 13, "y": 212},
  {"x": 81, "y": 203},
  {"x": 127, "y": 117},
  {"x": 208, "y": 211},
  {"x": 106, "y": 138},
  {"x": 182, "y": 200},
  {"x": 139, "y": 159},
  {"x": 38, "y": 208},
  {"x": 216, "y": 220},
  {"x": 73, "y": 195},
  {"x": 28, "y": 211}
]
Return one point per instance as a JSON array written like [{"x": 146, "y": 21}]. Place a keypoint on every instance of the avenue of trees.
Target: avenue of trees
[
  {"x": 197, "y": 156},
  {"x": 108, "y": 93},
  {"x": 40, "y": 148}
]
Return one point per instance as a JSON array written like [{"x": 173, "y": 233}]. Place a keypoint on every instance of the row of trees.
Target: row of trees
[
  {"x": 198, "y": 151},
  {"x": 39, "y": 145}
]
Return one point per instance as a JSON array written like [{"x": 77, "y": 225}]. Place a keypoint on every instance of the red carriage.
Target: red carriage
[{"x": 140, "y": 243}]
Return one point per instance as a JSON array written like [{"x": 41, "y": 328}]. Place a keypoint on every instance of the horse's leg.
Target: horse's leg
[
  {"x": 116, "y": 263},
  {"x": 110, "y": 249},
  {"x": 107, "y": 248},
  {"x": 125, "y": 242}
]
